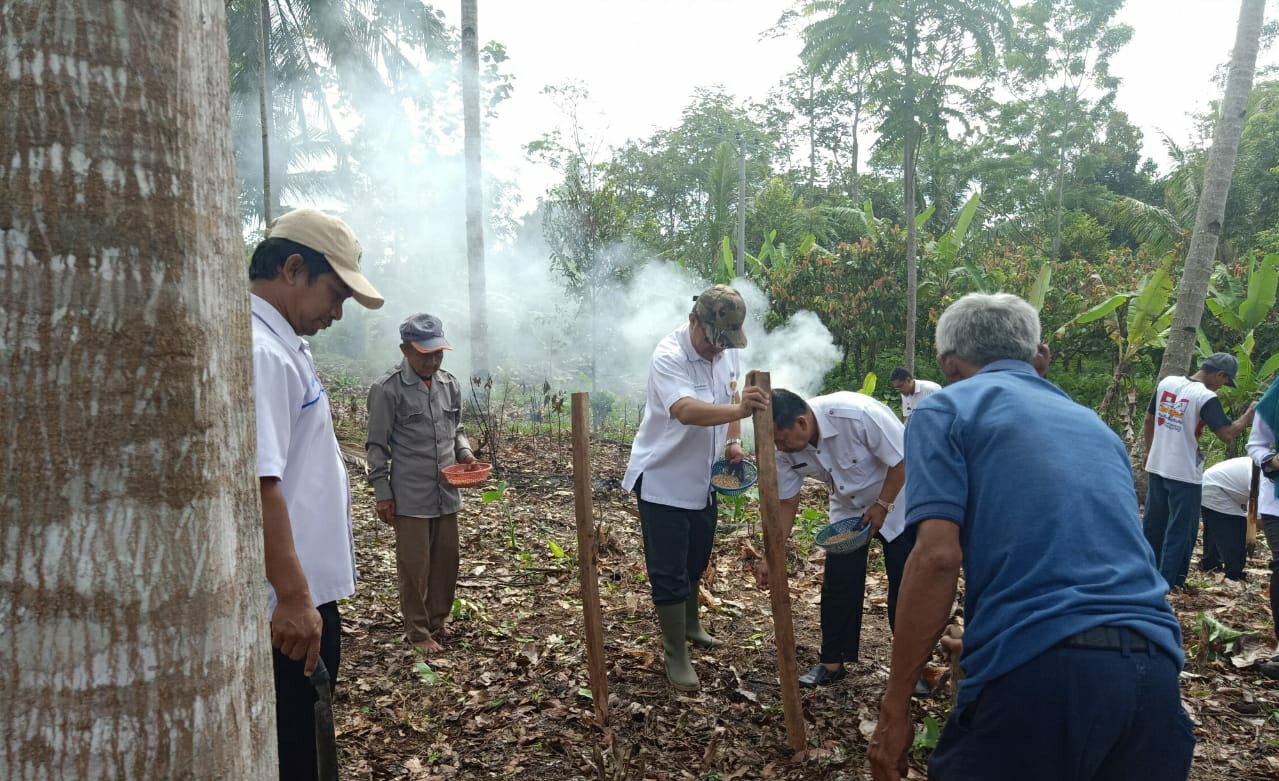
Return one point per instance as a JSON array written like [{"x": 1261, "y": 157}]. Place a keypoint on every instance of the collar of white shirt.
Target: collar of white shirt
[{"x": 272, "y": 319}]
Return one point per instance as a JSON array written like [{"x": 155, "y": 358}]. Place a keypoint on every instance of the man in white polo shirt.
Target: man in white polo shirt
[
  {"x": 853, "y": 444},
  {"x": 912, "y": 390},
  {"x": 300, "y": 276},
  {"x": 692, "y": 414}
]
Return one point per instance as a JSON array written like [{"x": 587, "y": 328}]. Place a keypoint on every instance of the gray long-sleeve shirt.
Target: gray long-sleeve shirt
[{"x": 415, "y": 430}]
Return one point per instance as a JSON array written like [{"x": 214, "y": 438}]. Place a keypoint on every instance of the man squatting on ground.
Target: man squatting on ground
[
  {"x": 1178, "y": 412},
  {"x": 415, "y": 431},
  {"x": 300, "y": 276},
  {"x": 1071, "y": 650},
  {"x": 853, "y": 444},
  {"x": 692, "y": 414}
]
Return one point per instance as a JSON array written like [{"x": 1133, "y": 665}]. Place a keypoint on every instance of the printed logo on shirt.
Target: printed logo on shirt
[
  {"x": 1171, "y": 411},
  {"x": 315, "y": 392}
]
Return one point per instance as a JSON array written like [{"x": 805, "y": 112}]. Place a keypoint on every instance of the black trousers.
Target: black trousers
[
  {"x": 295, "y": 700},
  {"x": 1225, "y": 543},
  {"x": 844, "y": 591},
  {"x": 677, "y": 546}
]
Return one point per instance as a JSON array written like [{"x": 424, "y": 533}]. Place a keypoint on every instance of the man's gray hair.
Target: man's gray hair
[{"x": 983, "y": 327}]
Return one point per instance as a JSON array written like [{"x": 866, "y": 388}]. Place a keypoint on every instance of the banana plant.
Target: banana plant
[
  {"x": 1243, "y": 307},
  {"x": 1136, "y": 321},
  {"x": 1244, "y": 310}
]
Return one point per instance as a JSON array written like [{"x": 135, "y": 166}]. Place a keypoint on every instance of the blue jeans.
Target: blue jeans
[
  {"x": 1072, "y": 714},
  {"x": 1171, "y": 525}
]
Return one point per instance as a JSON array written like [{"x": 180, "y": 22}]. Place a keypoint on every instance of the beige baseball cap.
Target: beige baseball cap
[{"x": 333, "y": 239}]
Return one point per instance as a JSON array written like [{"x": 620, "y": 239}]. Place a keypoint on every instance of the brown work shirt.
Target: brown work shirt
[{"x": 415, "y": 430}]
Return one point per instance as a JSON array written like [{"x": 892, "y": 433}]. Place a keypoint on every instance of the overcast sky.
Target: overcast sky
[{"x": 642, "y": 61}]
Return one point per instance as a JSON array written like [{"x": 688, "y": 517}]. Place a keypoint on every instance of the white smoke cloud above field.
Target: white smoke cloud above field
[{"x": 412, "y": 227}]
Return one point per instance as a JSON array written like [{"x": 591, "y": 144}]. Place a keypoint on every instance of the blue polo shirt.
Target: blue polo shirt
[{"x": 1042, "y": 492}]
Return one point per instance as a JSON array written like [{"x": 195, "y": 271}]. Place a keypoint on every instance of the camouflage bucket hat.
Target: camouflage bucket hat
[{"x": 721, "y": 311}]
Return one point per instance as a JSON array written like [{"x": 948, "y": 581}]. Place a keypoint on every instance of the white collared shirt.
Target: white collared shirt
[
  {"x": 1226, "y": 486},
  {"x": 859, "y": 439},
  {"x": 296, "y": 444},
  {"x": 923, "y": 389},
  {"x": 676, "y": 459}
]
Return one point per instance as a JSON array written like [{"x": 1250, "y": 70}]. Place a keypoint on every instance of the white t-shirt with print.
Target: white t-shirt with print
[
  {"x": 859, "y": 439},
  {"x": 1226, "y": 486},
  {"x": 675, "y": 459},
  {"x": 1174, "y": 451},
  {"x": 296, "y": 444},
  {"x": 923, "y": 389}
]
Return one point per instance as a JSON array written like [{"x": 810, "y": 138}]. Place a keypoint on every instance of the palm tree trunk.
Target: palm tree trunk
[
  {"x": 912, "y": 135},
  {"x": 1061, "y": 192},
  {"x": 133, "y": 593},
  {"x": 264, "y": 104},
  {"x": 1193, "y": 289},
  {"x": 912, "y": 271},
  {"x": 477, "y": 283}
]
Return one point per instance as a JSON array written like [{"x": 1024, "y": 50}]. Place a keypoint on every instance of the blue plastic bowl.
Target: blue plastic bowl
[
  {"x": 746, "y": 473},
  {"x": 847, "y": 544}
]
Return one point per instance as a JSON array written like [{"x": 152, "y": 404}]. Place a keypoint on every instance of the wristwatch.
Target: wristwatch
[
  {"x": 732, "y": 442},
  {"x": 888, "y": 506}
]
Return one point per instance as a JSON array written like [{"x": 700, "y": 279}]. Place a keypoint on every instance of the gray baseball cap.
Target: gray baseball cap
[
  {"x": 1221, "y": 362},
  {"x": 425, "y": 332}
]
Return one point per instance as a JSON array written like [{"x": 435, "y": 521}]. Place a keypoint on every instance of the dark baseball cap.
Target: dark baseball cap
[
  {"x": 721, "y": 311},
  {"x": 425, "y": 332},
  {"x": 1221, "y": 362}
]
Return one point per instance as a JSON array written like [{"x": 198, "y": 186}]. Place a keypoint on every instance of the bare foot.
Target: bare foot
[{"x": 429, "y": 646}]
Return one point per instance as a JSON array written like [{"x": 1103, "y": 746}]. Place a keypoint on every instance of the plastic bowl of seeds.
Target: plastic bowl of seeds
[
  {"x": 733, "y": 479},
  {"x": 844, "y": 536}
]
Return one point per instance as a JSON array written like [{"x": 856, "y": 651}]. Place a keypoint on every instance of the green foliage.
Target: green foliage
[
  {"x": 926, "y": 739},
  {"x": 498, "y": 495}
]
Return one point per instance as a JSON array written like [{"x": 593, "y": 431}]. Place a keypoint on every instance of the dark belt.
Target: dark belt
[{"x": 1108, "y": 638}]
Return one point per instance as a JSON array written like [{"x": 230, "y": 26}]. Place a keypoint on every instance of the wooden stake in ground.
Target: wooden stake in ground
[
  {"x": 1253, "y": 488},
  {"x": 775, "y": 554},
  {"x": 588, "y": 566}
]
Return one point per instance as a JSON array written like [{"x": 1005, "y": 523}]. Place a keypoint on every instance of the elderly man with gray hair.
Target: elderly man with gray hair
[{"x": 1066, "y": 613}]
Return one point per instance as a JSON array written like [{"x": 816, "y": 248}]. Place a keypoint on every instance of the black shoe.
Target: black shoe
[{"x": 820, "y": 676}]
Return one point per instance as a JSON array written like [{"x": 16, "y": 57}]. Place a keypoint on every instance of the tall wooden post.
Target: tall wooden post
[
  {"x": 587, "y": 562},
  {"x": 775, "y": 554},
  {"x": 1253, "y": 489}
]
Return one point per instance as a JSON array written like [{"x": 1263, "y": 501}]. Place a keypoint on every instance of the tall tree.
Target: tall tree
[
  {"x": 1065, "y": 48},
  {"x": 131, "y": 573},
  {"x": 476, "y": 281},
  {"x": 1193, "y": 289},
  {"x": 920, "y": 55}
]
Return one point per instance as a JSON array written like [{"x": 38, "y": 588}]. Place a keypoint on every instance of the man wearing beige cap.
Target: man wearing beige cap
[
  {"x": 300, "y": 276},
  {"x": 692, "y": 415},
  {"x": 415, "y": 431}
]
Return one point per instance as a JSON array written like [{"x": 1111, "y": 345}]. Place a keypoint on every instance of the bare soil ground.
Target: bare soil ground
[{"x": 509, "y": 697}]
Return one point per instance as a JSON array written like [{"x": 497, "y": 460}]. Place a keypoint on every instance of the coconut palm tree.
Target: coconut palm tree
[
  {"x": 919, "y": 55},
  {"x": 1193, "y": 289}
]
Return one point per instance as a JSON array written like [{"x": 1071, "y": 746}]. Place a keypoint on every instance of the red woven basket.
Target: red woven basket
[{"x": 467, "y": 475}]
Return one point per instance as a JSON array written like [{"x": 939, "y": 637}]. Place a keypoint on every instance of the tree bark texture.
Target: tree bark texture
[
  {"x": 133, "y": 632},
  {"x": 477, "y": 283},
  {"x": 1193, "y": 289},
  {"x": 264, "y": 107}
]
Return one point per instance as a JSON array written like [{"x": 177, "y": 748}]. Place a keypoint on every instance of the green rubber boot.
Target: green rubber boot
[
  {"x": 693, "y": 627},
  {"x": 679, "y": 670}
]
